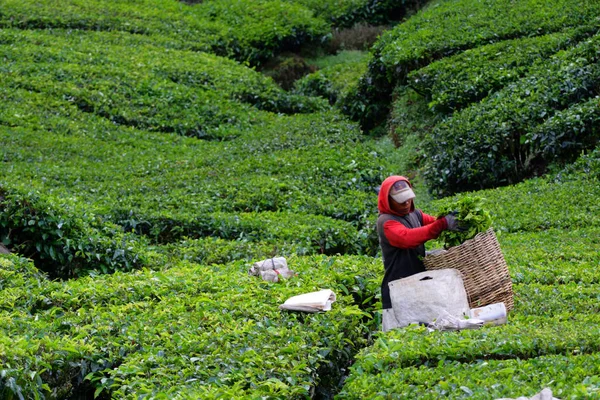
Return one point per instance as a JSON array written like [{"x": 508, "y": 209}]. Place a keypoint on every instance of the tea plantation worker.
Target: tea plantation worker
[{"x": 403, "y": 231}]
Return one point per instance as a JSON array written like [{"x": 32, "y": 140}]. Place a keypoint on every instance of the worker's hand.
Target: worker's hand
[{"x": 453, "y": 224}]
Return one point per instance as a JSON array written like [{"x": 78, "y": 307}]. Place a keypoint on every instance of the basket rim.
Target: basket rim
[{"x": 489, "y": 231}]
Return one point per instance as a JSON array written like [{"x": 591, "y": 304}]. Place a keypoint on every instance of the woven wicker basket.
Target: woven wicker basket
[{"x": 483, "y": 267}]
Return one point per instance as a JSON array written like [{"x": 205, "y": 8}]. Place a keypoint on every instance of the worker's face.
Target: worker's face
[{"x": 401, "y": 208}]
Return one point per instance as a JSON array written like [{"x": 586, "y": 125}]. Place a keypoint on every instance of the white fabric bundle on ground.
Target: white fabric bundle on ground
[
  {"x": 310, "y": 302},
  {"x": 271, "y": 269},
  {"x": 447, "y": 322},
  {"x": 545, "y": 394},
  {"x": 268, "y": 264},
  {"x": 276, "y": 275}
]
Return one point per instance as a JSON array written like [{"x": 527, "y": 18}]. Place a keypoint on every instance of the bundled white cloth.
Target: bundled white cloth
[
  {"x": 310, "y": 302},
  {"x": 492, "y": 314},
  {"x": 271, "y": 269},
  {"x": 448, "y": 322},
  {"x": 545, "y": 394}
]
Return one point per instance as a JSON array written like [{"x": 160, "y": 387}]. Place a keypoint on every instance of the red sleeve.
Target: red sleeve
[
  {"x": 428, "y": 219},
  {"x": 406, "y": 238}
]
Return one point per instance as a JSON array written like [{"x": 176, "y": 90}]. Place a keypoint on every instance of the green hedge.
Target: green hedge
[
  {"x": 332, "y": 83},
  {"x": 93, "y": 99},
  {"x": 316, "y": 166},
  {"x": 487, "y": 145},
  {"x": 190, "y": 329},
  {"x": 65, "y": 238},
  {"x": 451, "y": 27},
  {"x": 346, "y": 13},
  {"x": 551, "y": 300},
  {"x": 308, "y": 233},
  {"x": 549, "y": 322},
  {"x": 454, "y": 26},
  {"x": 544, "y": 203},
  {"x": 457, "y": 81},
  {"x": 212, "y": 250},
  {"x": 245, "y": 30},
  {"x": 553, "y": 256},
  {"x": 568, "y": 132},
  {"x": 283, "y": 159},
  {"x": 539, "y": 204},
  {"x": 589, "y": 164},
  {"x": 575, "y": 377},
  {"x": 190, "y": 93},
  {"x": 521, "y": 338}
]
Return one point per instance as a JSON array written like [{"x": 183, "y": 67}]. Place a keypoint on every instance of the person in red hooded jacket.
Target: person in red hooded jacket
[{"x": 403, "y": 231}]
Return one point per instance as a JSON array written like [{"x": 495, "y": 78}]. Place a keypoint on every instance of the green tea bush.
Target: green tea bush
[
  {"x": 44, "y": 366},
  {"x": 536, "y": 337},
  {"x": 564, "y": 375},
  {"x": 18, "y": 272},
  {"x": 245, "y": 30},
  {"x": 345, "y": 13},
  {"x": 448, "y": 28},
  {"x": 457, "y": 81},
  {"x": 486, "y": 145},
  {"x": 191, "y": 329},
  {"x": 35, "y": 360},
  {"x": 567, "y": 133},
  {"x": 544, "y": 203},
  {"x": 553, "y": 256},
  {"x": 454, "y": 26},
  {"x": 263, "y": 28},
  {"x": 552, "y": 300},
  {"x": 212, "y": 250},
  {"x": 589, "y": 164},
  {"x": 308, "y": 233},
  {"x": 168, "y": 186},
  {"x": 64, "y": 237},
  {"x": 19, "y": 282},
  {"x": 331, "y": 83},
  {"x": 193, "y": 94},
  {"x": 548, "y": 322}
]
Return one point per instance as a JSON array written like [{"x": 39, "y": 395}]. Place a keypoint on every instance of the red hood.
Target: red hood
[{"x": 383, "y": 203}]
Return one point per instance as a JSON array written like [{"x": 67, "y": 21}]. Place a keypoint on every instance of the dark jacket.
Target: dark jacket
[{"x": 402, "y": 239}]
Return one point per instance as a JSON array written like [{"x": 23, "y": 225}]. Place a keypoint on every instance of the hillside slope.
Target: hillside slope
[{"x": 145, "y": 166}]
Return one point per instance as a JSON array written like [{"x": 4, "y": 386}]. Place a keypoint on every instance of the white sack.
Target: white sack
[
  {"x": 310, "y": 302},
  {"x": 276, "y": 275},
  {"x": 545, "y": 394},
  {"x": 427, "y": 296},
  {"x": 268, "y": 264},
  {"x": 271, "y": 269}
]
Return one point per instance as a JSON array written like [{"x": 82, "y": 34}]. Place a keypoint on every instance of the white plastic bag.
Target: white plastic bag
[
  {"x": 310, "y": 302},
  {"x": 427, "y": 296}
]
